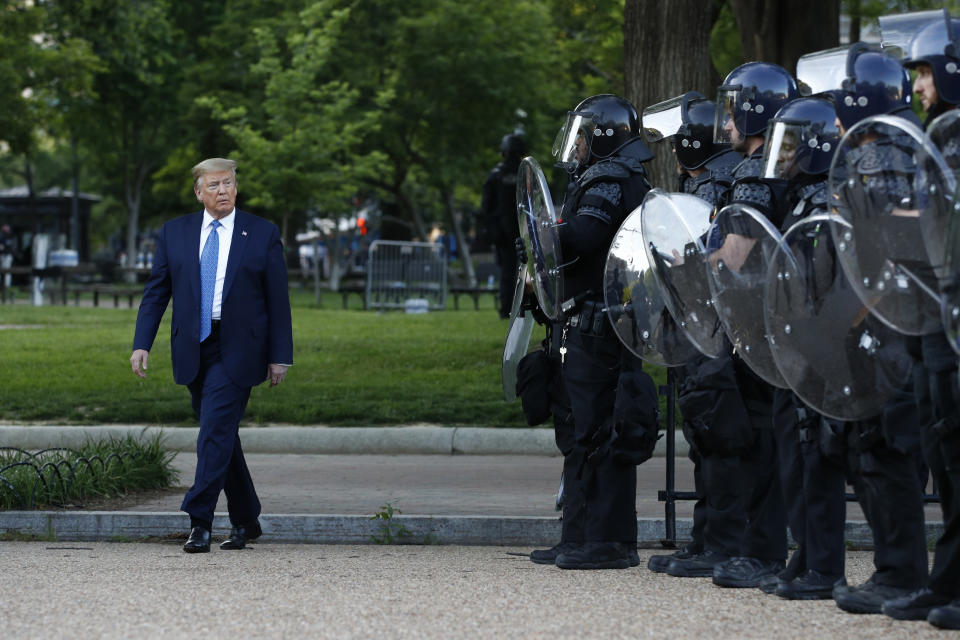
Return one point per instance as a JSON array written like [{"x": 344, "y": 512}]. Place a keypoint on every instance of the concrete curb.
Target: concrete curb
[
  {"x": 347, "y": 529},
  {"x": 415, "y": 439}
]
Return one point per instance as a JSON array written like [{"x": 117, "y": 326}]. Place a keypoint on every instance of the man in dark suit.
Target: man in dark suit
[{"x": 231, "y": 330}]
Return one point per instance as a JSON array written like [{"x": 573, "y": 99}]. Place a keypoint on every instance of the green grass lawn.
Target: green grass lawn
[{"x": 351, "y": 367}]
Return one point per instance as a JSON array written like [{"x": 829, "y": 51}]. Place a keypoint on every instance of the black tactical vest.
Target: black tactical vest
[{"x": 586, "y": 271}]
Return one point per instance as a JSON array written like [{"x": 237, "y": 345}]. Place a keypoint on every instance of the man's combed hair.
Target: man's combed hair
[{"x": 214, "y": 165}]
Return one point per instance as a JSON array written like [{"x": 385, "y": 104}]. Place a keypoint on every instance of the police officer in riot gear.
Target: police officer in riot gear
[
  {"x": 499, "y": 211},
  {"x": 612, "y": 400},
  {"x": 704, "y": 170},
  {"x": 802, "y": 138},
  {"x": 813, "y": 453},
  {"x": 933, "y": 50},
  {"x": 749, "y": 96},
  {"x": 879, "y": 455}
]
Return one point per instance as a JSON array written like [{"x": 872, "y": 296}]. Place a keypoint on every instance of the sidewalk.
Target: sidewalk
[{"x": 488, "y": 497}]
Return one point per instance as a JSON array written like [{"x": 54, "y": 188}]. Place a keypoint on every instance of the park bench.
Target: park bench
[
  {"x": 353, "y": 286},
  {"x": 474, "y": 293},
  {"x": 116, "y": 292}
]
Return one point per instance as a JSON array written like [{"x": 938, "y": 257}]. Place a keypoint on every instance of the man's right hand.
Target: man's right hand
[{"x": 138, "y": 361}]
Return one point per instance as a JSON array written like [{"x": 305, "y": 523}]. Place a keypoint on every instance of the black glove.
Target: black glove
[
  {"x": 521, "y": 251},
  {"x": 531, "y": 304}
]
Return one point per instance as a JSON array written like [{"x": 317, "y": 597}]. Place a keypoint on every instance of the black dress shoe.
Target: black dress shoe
[
  {"x": 916, "y": 606},
  {"x": 768, "y": 584},
  {"x": 241, "y": 535},
  {"x": 745, "y": 573},
  {"x": 809, "y": 585},
  {"x": 658, "y": 563},
  {"x": 868, "y": 597},
  {"x": 199, "y": 541},
  {"x": 549, "y": 556},
  {"x": 699, "y": 565},
  {"x": 597, "y": 555},
  {"x": 946, "y": 617}
]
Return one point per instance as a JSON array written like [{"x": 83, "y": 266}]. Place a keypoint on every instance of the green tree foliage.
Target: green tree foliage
[
  {"x": 302, "y": 149},
  {"x": 318, "y": 99},
  {"x": 131, "y": 126}
]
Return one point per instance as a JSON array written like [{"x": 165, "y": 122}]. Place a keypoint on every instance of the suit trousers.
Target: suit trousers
[{"x": 219, "y": 405}]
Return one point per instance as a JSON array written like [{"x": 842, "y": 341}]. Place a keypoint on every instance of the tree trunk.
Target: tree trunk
[
  {"x": 662, "y": 60},
  {"x": 133, "y": 192},
  {"x": 780, "y": 31},
  {"x": 462, "y": 245},
  {"x": 855, "y": 9}
]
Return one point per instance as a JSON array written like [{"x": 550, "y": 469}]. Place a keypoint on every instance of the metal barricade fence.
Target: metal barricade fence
[{"x": 401, "y": 271}]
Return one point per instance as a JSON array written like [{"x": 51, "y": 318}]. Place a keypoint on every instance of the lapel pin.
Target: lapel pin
[{"x": 243, "y": 233}]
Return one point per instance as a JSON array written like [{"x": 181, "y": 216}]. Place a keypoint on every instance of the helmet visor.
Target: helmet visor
[
  {"x": 898, "y": 30},
  {"x": 783, "y": 150},
  {"x": 572, "y": 145},
  {"x": 663, "y": 119},
  {"x": 822, "y": 70},
  {"x": 727, "y": 100}
]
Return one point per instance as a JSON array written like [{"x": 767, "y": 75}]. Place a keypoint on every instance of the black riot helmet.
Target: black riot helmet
[
  {"x": 876, "y": 83},
  {"x": 862, "y": 81},
  {"x": 688, "y": 121},
  {"x": 750, "y": 95},
  {"x": 513, "y": 145},
  {"x": 600, "y": 127},
  {"x": 931, "y": 38},
  {"x": 801, "y": 138}
]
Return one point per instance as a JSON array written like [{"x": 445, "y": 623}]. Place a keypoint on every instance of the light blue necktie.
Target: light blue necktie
[{"x": 208, "y": 278}]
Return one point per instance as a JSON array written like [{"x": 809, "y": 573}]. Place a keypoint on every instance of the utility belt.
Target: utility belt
[{"x": 587, "y": 316}]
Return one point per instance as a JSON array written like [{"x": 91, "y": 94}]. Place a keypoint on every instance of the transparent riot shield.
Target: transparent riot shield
[
  {"x": 937, "y": 178},
  {"x": 519, "y": 331},
  {"x": 538, "y": 229},
  {"x": 950, "y": 284},
  {"x": 740, "y": 244},
  {"x": 877, "y": 190},
  {"x": 635, "y": 302},
  {"x": 835, "y": 355},
  {"x": 674, "y": 226}
]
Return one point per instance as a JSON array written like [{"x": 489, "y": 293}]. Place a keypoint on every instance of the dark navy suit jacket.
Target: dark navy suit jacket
[{"x": 255, "y": 327}]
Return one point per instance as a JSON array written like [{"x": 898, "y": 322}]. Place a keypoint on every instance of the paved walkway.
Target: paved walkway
[
  {"x": 430, "y": 485},
  {"x": 104, "y": 590}
]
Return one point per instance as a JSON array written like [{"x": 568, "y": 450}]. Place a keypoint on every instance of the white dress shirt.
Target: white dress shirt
[{"x": 224, "y": 237}]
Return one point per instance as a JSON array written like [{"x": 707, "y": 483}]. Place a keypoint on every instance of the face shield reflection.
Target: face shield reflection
[
  {"x": 572, "y": 144},
  {"x": 897, "y": 31},
  {"x": 663, "y": 119},
  {"x": 823, "y": 70},
  {"x": 780, "y": 150},
  {"x": 723, "y": 126}
]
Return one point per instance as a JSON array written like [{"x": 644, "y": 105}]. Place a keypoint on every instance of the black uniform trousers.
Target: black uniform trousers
[
  {"x": 591, "y": 370},
  {"x": 698, "y": 528},
  {"x": 883, "y": 464},
  {"x": 937, "y": 380},
  {"x": 507, "y": 262},
  {"x": 813, "y": 488},
  {"x": 713, "y": 412},
  {"x": 765, "y": 533},
  {"x": 219, "y": 405}
]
